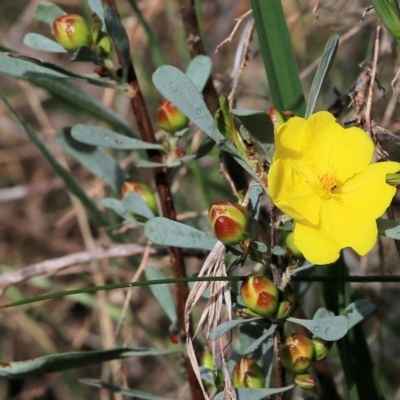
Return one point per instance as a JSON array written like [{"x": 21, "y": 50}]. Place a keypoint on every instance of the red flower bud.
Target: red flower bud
[
  {"x": 230, "y": 222},
  {"x": 297, "y": 353},
  {"x": 247, "y": 374},
  {"x": 286, "y": 303},
  {"x": 72, "y": 32},
  {"x": 143, "y": 191},
  {"x": 321, "y": 348},
  {"x": 260, "y": 295},
  {"x": 170, "y": 118},
  {"x": 305, "y": 381}
]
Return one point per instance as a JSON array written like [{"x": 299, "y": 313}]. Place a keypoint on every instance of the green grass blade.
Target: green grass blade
[
  {"x": 322, "y": 71},
  {"x": 278, "y": 56},
  {"x": 389, "y": 13}
]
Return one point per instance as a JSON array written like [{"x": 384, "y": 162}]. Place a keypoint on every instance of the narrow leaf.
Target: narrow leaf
[
  {"x": 171, "y": 233},
  {"x": 199, "y": 70},
  {"x": 389, "y": 13},
  {"x": 162, "y": 293},
  {"x": 65, "y": 361},
  {"x": 97, "y": 7},
  {"x": 123, "y": 390},
  {"x": 225, "y": 327},
  {"x": 256, "y": 394},
  {"x": 48, "y": 12},
  {"x": 322, "y": 71},
  {"x": 257, "y": 343},
  {"x": 40, "y": 42},
  {"x": 135, "y": 204},
  {"x": 358, "y": 311},
  {"x": 97, "y": 136},
  {"x": 278, "y": 56},
  {"x": 116, "y": 206},
  {"x": 95, "y": 159}
]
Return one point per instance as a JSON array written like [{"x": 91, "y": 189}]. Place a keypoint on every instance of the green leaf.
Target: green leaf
[
  {"x": 40, "y": 42},
  {"x": 48, "y": 12},
  {"x": 96, "y": 136},
  {"x": 68, "y": 179},
  {"x": 330, "y": 328},
  {"x": 278, "y": 56},
  {"x": 199, "y": 70},
  {"x": 135, "y": 204},
  {"x": 389, "y": 13},
  {"x": 116, "y": 205},
  {"x": 123, "y": 390},
  {"x": 120, "y": 38},
  {"x": 179, "y": 235},
  {"x": 393, "y": 179},
  {"x": 257, "y": 343},
  {"x": 162, "y": 293},
  {"x": 225, "y": 327},
  {"x": 256, "y": 394},
  {"x": 357, "y": 311},
  {"x": 388, "y": 228},
  {"x": 65, "y": 361},
  {"x": 258, "y": 123},
  {"x": 95, "y": 159},
  {"x": 97, "y": 7},
  {"x": 150, "y": 164},
  {"x": 322, "y": 71},
  {"x": 86, "y": 54}
]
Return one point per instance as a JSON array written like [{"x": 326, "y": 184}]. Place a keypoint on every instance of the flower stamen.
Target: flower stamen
[{"x": 327, "y": 185}]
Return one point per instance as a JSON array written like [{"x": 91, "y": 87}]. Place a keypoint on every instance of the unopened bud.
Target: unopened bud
[
  {"x": 260, "y": 295},
  {"x": 286, "y": 303},
  {"x": 72, "y": 32},
  {"x": 247, "y": 374},
  {"x": 305, "y": 381},
  {"x": 229, "y": 221},
  {"x": 143, "y": 191},
  {"x": 276, "y": 118},
  {"x": 297, "y": 353},
  {"x": 170, "y": 118},
  {"x": 321, "y": 348}
]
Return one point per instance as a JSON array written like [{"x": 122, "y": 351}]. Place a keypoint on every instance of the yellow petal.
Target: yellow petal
[
  {"x": 316, "y": 247},
  {"x": 333, "y": 149},
  {"x": 369, "y": 190},
  {"x": 291, "y": 193},
  {"x": 288, "y": 139}
]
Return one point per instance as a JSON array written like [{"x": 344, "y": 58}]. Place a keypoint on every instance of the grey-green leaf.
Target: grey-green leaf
[
  {"x": 331, "y": 328},
  {"x": 40, "y": 42},
  {"x": 389, "y": 228},
  {"x": 95, "y": 159},
  {"x": 97, "y": 136},
  {"x": 97, "y": 7},
  {"x": 116, "y": 205},
  {"x": 225, "y": 327},
  {"x": 322, "y": 71},
  {"x": 65, "y": 361},
  {"x": 256, "y": 394},
  {"x": 135, "y": 204},
  {"x": 162, "y": 293},
  {"x": 48, "y": 12},
  {"x": 199, "y": 70},
  {"x": 165, "y": 232},
  {"x": 357, "y": 311}
]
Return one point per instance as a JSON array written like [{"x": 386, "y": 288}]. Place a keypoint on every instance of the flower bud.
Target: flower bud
[
  {"x": 276, "y": 118},
  {"x": 247, "y": 374},
  {"x": 230, "y": 222},
  {"x": 321, "y": 348},
  {"x": 291, "y": 248},
  {"x": 297, "y": 353},
  {"x": 143, "y": 191},
  {"x": 170, "y": 118},
  {"x": 305, "y": 381},
  {"x": 286, "y": 303},
  {"x": 103, "y": 47},
  {"x": 260, "y": 294},
  {"x": 72, "y": 32}
]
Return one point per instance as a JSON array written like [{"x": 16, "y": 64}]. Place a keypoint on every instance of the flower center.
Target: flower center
[{"x": 327, "y": 185}]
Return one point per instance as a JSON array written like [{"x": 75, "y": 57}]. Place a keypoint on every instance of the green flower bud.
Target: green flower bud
[
  {"x": 72, "y": 32},
  {"x": 297, "y": 353},
  {"x": 276, "y": 118},
  {"x": 321, "y": 348},
  {"x": 305, "y": 381},
  {"x": 247, "y": 374},
  {"x": 170, "y": 118},
  {"x": 229, "y": 221},
  {"x": 291, "y": 248},
  {"x": 260, "y": 295},
  {"x": 143, "y": 191},
  {"x": 286, "y": 303}
]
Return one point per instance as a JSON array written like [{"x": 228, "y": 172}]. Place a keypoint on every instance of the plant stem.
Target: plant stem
[{"x": 167, "y": 205}]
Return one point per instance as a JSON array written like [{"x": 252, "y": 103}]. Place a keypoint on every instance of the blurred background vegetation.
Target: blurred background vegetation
[{"x": 40, "y": 221}]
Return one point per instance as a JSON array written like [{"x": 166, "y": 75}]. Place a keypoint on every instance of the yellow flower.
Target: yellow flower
[{"x": 323, "y": 178}]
